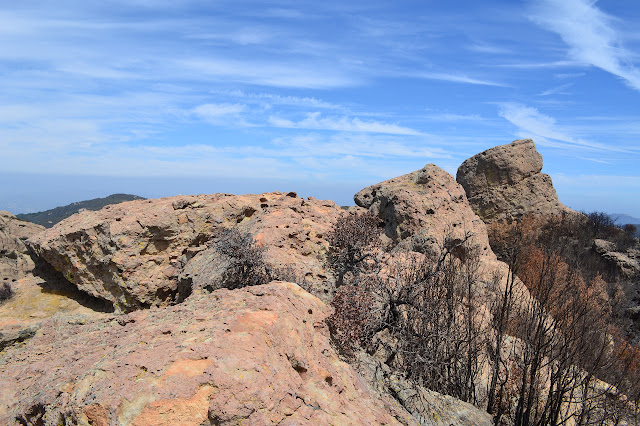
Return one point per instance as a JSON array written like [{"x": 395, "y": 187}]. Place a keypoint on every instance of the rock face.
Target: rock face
[
  {"x": 422, "y": 208},
  {"x": 259, "y": 354},
  {"x": 292, "y": 231},
  {"x": 132, "y": 254},
  {"x": 505, "y": 182},
  {"x": 15, "y": 263},
  {"x": 625, "y": 262}
]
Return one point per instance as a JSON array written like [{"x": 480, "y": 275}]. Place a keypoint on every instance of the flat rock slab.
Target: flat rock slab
[{"x": 259, "y": 355}]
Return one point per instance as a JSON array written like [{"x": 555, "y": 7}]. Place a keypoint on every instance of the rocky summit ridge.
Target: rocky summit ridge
[{"x": 179, "y": 348}]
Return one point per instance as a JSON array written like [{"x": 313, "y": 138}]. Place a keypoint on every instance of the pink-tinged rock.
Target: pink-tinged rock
[
  {"x": 15, "y": 262},
  {"x": 293, "y": 232},
  {"x": 423, "y": 208},
  {"x": 132, "y": 254},
  {"x": 258, "y": 355},
  {"x": 505, "y": 182}
]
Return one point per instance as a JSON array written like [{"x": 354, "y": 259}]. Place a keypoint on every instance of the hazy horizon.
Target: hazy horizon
[{"x": 50, "y": 191}]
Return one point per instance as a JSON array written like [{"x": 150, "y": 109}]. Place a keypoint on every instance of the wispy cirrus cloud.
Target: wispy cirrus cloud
[
  {"x": 344, "y": 124},
  {"x": 275, "y": 99},
  {"x": 447, "y": 117},
  {"x": 457, "y": 78},
  {"x": 489, "y": 48},
  {"x": 220, "y": 114},
  {"x": 558, "y": 90},
  {"x": 266, "y": 73},
  {"x": 590, "y": 35},
  {"x": 532, "y": 123}
]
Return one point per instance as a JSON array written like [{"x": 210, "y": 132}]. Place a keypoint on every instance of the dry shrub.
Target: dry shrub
[
  {"x": 567, "y": 323},
  {"x": 353, "y": 243},
  {"x": 246, "y": 264},
  {"x": 6, "y": 292},
  {"x": 352, "y": 322}
]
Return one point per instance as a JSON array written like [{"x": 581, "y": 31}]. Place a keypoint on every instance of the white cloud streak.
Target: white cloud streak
[
  {"x": 590, "y": 35},
  {"x": 343, "y": 124},
  {"x": 457, "y": 78},
  {"x": 558, "y": 90},
  {"x": 531, "y": 123},
  {"x": 218, "y": 113}
]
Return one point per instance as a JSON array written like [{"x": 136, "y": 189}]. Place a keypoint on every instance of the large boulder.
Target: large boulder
[
  {"x": 505, "y": 182},
  {"x": 424, "y": 210},
  {"x": 259, "y": 355},
  {"x": 132, "y": 254},
  {"x": 15, "y": 261}
]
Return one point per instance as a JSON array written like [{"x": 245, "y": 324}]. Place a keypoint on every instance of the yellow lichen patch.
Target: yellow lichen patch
[
  {"x": 188, "y": 367},
  {"x": 32, "y": 302},
  {"x": 178, "y": 411}
]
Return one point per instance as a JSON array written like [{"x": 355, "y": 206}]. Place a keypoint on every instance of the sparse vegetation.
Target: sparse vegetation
[
  {"x": 246, "y": 265},
  {"x": 6, "y": 292},
  {"x": 551, "y": 346},
  {"x": 352, "y": 245}
]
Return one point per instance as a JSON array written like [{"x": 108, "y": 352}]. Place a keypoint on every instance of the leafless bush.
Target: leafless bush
[
  {"x": 352, "y": 323},
  {"x": 352, "y": 245},
  {"x": 427, "y": 307},
  {"x": 246, "y": 259},
  {"x": 6, "y": 292},
  {"x": 565, "y": 338}
]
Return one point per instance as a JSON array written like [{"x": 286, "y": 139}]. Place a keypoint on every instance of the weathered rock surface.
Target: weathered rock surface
[
  {"x": 35, "y": 301},
  {"x": 505, "y": 182},
  {"x": 626, "y": 262},
  {"x": 15, "y": 262},
  {"x": 426, "y": 406},
  {"x": 132, "y": 254},
  {"x": 259, "y": 354},
  {"x": 422, "y": 208},
  {"x": 293, "y": 232}
]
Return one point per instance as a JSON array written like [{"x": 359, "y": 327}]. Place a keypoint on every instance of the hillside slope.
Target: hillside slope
[{"x": 48, "y": 218}]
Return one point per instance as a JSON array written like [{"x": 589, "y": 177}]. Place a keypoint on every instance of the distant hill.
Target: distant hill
[
  {"x": 623, "y": 219},
  {"x": 49, "y": 218}
]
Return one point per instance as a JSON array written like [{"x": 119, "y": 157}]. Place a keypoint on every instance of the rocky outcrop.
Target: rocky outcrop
[
  {"x": 259, "y": 355},
  {"x": 15, "y": 261},
  {"x": 422, "y": 209},
  {"x": 133, "y": 254},
  {"x": 505, "y": 182},
  {"x": 292, "y": 231},
  {"x": 625, "y": 262}
]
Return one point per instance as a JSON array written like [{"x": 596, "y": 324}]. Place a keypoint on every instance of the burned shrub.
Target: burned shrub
[
  {"x": 6, "y": 292},
  {"x": 246, "y": 264},
  {"x": 351, "y": 323},
  {"x": 352, "y": 245}
]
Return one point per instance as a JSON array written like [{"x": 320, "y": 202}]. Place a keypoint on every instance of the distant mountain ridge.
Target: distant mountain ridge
[
  {"x": 48, "y": 218},
  {"x": 623, "y": 219}
]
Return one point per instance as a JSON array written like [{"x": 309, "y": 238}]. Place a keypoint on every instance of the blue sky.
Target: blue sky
[{"x": 159, "y": 97}]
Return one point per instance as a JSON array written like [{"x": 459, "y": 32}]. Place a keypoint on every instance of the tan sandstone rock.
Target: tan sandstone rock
[
  {"x": 259, "y": 355},
  {"x": 422, "y": 208},
  {"x": 15, "y": 263},
  {"x": 505, "y": 182},
  {"x": 132, "y": 254}
]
